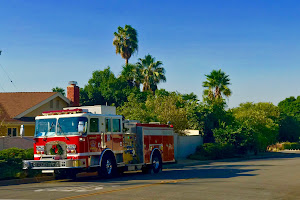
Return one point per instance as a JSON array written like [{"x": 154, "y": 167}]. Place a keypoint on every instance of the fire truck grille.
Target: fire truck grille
[{"x": 56, "y": 148}]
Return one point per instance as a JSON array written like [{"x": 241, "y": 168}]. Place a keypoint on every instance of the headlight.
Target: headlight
[
  {"x": 71, "y": 148},
  {"x": 40, "y": 149},
  {"x": 26, "y": 165}
]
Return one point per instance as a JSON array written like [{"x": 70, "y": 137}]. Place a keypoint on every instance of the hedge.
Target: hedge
[
  {"x": 11, "y": 163},
  {"x": 213, "y": 151},
  {"x": 291, "y": 145}
]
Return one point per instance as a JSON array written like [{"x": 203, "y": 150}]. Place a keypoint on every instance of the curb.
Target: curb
[
  {"x": 26, "y": 180},
  {"x": 203, "y": 162}
]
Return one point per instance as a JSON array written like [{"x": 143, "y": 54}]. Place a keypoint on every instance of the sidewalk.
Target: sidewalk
[
  {"x": 188, "y": 162},
  {"x": 179, "y": 164}
]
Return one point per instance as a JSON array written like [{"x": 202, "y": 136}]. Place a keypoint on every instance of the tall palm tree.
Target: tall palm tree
[
  {"x": 217, "y": 85},
  {"x": 126, "y": 42},
  {"x": 152, "y": 72},
  {"x": 132, "y": 73}
]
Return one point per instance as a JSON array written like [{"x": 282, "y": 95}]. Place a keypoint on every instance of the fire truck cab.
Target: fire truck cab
[{"x": 94, "y": 138}]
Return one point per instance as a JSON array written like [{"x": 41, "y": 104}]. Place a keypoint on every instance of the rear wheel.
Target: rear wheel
[{"x": 156, "y": 165}]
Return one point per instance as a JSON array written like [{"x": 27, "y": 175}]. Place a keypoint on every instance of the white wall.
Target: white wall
[
  {"x": 186, "y": 145},
  {"x": 22, "y": 143}
]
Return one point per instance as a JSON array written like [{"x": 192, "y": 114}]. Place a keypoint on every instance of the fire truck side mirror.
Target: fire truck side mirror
[
  {"x": 22, "y": 131},
  {"x": 81, "y": 127}
]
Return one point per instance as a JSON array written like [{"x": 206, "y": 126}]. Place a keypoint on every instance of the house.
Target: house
[{"x": 21, "y": 108}]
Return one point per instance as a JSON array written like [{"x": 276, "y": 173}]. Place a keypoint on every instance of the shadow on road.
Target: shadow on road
[
  {"x": 201, "y": 172},
  {"x": 176, "y": 174}
]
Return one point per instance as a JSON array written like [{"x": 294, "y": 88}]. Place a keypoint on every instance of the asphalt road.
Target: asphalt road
[{"x": 273, "y": 178}]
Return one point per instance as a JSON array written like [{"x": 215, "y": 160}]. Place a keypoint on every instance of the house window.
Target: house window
[
  {"x": 116, "y": 125},
  {"x": 57, "y": 104},
  {"x": 51, "y": 104},
  {"x": 12, "y": 132},
  {"x": 94, "y": 125}
]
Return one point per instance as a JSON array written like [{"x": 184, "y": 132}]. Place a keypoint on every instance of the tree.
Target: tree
[
  {"x": 262, "y": 119},
  {"x": 126, "y": 42},
  {"x": 255, "y": 126},
  {"x": 217, "y": 85},
  {"x": 104, "y": 88},
  {"x": 289, "y": 129},
  {"x": 291, "y": 107},
  {"x": 59, "y": 89},
  {"x": 168, "y": 109},
  {"x": 159, "y": 108},
  {"x": 132, "y": 74},
  {"x": 240, "y": 137},
  {"x": 212, "y": 115},
  {"x": 135, "y": 109},
  {"x": 152, "y": 72}
]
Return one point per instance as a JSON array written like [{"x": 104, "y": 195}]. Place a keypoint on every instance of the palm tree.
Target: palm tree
[
  {"x": 132, "y": 73},
  {"x": 126, "y": 42},
  {"x": 152, "y": 72},
  {"x": 217, "y": 85}
]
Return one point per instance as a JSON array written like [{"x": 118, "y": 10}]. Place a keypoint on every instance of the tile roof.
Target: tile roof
[{"x": 15, "y": 103}]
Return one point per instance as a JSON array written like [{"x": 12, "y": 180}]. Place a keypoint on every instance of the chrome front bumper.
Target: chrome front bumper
[{"x": 53, "y": 164}]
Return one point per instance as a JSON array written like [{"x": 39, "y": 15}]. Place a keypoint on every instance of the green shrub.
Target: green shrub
[
  {"x": 11, "y": 162},
  {"x": 284, "y": 145},
  {"x": 290, "y": 145},
  {"x": 214, "y": 151}
]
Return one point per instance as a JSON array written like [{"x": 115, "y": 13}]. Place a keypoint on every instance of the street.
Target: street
[{"x": 269, "y": 178}]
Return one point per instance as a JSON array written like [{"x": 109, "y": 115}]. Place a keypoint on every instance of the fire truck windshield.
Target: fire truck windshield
[
  {"x": 45, "y": 127},
  {"x": 58, "y": 127},
  {"x": 69, "y": 126}
]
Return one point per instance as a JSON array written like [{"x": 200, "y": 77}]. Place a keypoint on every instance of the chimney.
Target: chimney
[{"x": 73, "y": 93}]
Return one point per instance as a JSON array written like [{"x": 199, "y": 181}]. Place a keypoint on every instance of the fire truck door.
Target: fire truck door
[
  {"x": 94, "y": 138},
  {"x": 117, "y": 135},
  {"x": 108, "y": 133}
]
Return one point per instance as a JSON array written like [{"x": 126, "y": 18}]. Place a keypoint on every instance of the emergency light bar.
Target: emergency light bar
[{"x": 60, "y": 112}]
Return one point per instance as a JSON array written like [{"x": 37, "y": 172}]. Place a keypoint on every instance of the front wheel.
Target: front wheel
[
  {"x": 108, "y": 167},
  {"x": 60, "y": 174},
  {"x": 65, "y": 174}
]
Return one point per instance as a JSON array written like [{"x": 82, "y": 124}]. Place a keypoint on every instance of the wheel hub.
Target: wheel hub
[
  {"x": 108, "y": 167},
  {"x": 155, "y": 163}
]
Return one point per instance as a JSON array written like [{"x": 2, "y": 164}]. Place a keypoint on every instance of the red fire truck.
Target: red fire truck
[{"x": 94, "y": 138}]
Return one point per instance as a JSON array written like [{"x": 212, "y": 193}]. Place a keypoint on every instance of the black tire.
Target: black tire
[
  {"x": 60, "y": 174},
  {"x": 156, "y": 162},
  {"x": 65, "y": 174},
  {"x": 108, "y": 168},
  {"x": 72, "y": 174}
]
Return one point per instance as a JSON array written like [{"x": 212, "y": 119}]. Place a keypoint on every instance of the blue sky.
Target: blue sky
[{"x": 257, "y": 43}]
